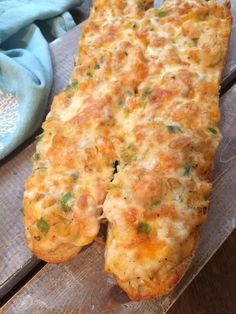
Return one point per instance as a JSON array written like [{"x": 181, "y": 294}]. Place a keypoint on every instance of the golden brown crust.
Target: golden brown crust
[
  {"x": 154, "y": 288},
  {"x": 169, "y": 283},
  {"x": 61, "y": 254}
]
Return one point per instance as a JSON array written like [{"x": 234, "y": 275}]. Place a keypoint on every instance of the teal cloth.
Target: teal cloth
[{"x": 26, "y": 27}]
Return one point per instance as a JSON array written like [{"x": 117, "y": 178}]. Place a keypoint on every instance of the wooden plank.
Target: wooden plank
[
  {"x": 13, "y": 253},
  {"x": 81, "y": 286},
  {"x": 215, "y": 286},
  {"x": 230, "y": 69},
  {"x": 15, "y": 259}
]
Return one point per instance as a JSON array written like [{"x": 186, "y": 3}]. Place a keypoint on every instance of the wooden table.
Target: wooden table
[
  {"x": 213, "y": 291},
  {"x": 30, "y": 286}
]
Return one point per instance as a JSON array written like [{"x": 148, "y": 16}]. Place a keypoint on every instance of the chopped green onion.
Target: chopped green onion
[
  {"x": 161, "y": 14},
  {"x": 143, "y": 98},
  {"x": 74, "y": 84},
  {"x": 65, "y": 200},
  {"x": 174, "y": 129},
  {"x": 128, "y": 155},
  {"x": 35, "y": 157},
  {"x": 213, "y": 131},
  {"x": 144, "y": 228},
  {"x": 97, "y": 66},
  {"x": 155, "y": 203},
  {"x": 146, "y": 93},
  {"x": 128, "y": 158},
  {"x": 43, "y": 226},
  {"x": 187, "y": 169},
  {"x": 120, "y": 103},
  {"x": 89, "y": 74},
  {"x": 39, "y": 138}
]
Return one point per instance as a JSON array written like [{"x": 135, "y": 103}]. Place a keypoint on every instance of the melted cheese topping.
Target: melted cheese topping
[
  {"x": 75, "y": 157},
  {"x": 157, "y": 200},
  {"x": 143, "y": 95}
]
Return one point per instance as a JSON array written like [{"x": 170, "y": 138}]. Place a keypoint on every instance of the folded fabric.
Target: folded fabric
[{"x": 26, "y": 27}]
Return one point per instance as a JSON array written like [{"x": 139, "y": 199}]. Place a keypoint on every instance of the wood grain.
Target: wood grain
[
  {"x": 13, "y": 253},
  {"x": 16, "y": 260},
  {"x": 230, "y": 69},
  {"x": 214, "y": 289},
  {"x": 81, "y": 286}
]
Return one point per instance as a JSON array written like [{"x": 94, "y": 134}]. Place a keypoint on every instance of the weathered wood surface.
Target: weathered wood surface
[
  {"x": 15, "y": 259},
  {"x": 230, "y": 70},
  {"x": 81, "y": 286},
  {"x": 214, "y": 289},
  {"x": 14, "y": 256}
]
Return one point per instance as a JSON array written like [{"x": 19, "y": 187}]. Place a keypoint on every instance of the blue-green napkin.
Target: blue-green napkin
[{"x": 26, "y": 27}]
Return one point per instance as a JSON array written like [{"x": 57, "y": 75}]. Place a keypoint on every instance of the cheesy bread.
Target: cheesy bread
[
  {"x": 158, "y": 198},
  {"x": 76, "y": 154},
  {"x": 132, "y": 140}
]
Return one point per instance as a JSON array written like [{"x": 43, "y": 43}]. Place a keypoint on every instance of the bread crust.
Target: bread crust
[
  {"x": 170, "y": 282},
  {"x": 62, "y": 254}
]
